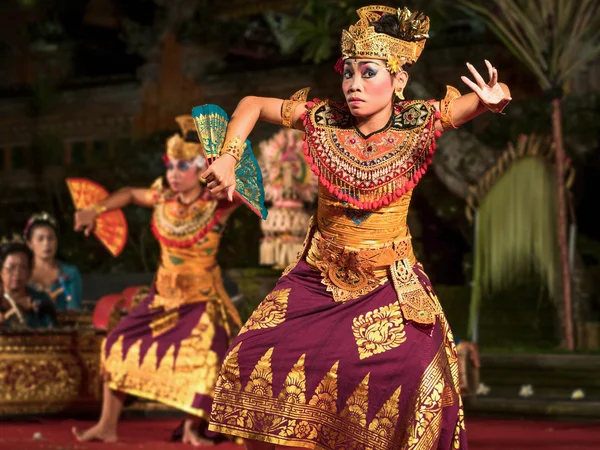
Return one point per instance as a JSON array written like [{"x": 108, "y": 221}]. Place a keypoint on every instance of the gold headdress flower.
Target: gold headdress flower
[
  {"x": 184, "y": 148},
  {"x": 362, "y": 41}
]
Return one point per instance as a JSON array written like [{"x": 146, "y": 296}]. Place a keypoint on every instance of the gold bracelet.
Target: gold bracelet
[
  {"x": 287, "y": 112},
  {"x": 99, "y": 209},
  {"x": 235, "y": 147},
  {"x": 446, "y": 108},
  {"x": 289, "y": 106}
]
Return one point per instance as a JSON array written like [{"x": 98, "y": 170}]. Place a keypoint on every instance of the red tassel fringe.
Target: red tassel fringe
[{"x": 385, "y": 200}]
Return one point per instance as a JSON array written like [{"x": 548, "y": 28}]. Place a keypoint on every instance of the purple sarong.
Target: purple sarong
[{"x": 309, "y": 372}]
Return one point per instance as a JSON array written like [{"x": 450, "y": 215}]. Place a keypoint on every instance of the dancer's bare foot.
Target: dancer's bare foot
[
  {"x": 95, "y": 434},
  {"x": 192, "y": 437}
]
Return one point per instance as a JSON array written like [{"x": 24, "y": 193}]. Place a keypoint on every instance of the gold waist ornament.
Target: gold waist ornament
[
  {"x": 179, "y": 285},
  {"x": 176, "y": 289},
  {"x": 350, "y": 273}
]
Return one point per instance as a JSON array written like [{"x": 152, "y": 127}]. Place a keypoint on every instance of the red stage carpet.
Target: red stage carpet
[{"x": 146, "y": 434}]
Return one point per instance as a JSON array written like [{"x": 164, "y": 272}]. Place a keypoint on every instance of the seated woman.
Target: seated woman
[
  {"x": 21, "y": 306},
  {"x": 62, "y": 282}
]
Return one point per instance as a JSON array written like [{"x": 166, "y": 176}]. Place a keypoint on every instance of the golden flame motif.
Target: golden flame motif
[
  {"x": 286, "y": 419},
  {"x": 174, "y": 379},
  {"x": 294, "y": 387}
]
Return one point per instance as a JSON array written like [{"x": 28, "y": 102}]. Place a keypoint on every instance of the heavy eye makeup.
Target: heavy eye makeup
[
  {"x": 366, "y": 71},
  {"x": 182, "y": 166}
]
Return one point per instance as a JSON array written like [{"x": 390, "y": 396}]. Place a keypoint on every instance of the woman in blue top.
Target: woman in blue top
[
  {"x": 62, "y": 282},
  {"x": 21, "y": 306}
]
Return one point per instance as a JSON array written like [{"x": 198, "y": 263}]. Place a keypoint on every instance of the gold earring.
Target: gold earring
[{"x": 399, "y": 93}]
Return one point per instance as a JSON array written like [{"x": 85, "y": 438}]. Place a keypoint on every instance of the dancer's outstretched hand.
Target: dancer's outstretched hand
[
  {"x": 492, "y": 93},
  {"x": 85, "y": 220},
  {"x": 220, "y": 176}
]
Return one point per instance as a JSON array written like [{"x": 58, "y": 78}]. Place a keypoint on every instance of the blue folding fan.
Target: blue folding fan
[{"x": 211, "y": 124}]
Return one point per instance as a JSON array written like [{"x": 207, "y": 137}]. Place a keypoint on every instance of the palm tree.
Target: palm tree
[{"x": 554, "y": 39}]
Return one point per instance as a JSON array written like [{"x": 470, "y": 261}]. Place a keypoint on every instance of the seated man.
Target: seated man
[{"x": 20, "y": 306}]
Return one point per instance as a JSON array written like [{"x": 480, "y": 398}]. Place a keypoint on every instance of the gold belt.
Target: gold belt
[
  {"x": 179, "y": 285},
  {"x": 175, "y": 289},
  {"x": 349, "y": 273}
]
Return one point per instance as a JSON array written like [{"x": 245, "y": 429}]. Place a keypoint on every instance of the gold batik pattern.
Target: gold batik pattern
[
  {"x": 379, "y": 330},
  {"x": 416, "y": 303},
  {"x": 435, "y": 392},
  {"x": 257, "y": 411},
  {"x": 270, "y": 313},
  {"x": 177, "y": 377},
  {"x": 165, "y": 323},
  {"x": 451, "y": 352},
  {"x": 460, "y": 426}
]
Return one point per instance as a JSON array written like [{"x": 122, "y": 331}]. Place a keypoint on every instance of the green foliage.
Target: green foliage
[
  {"x": 317, "y": 29},
  {"x": 516, "y": 232},
  {"x": 552, "y": 38},
  {"x": 520, "y": 318},
  {"x": 532, "y": 116}
]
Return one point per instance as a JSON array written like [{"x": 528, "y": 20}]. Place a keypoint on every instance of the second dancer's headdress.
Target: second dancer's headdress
[{"x": 186, "y": 146}]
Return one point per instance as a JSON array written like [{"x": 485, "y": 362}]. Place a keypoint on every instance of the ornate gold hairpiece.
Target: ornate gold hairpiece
[
  {"x": 16, "y": 239},
  {"x": 362, "y": 41},
  {"x": 186, "y": 124},
  {"x": 177, "y": 146},
  {"x": 179, "y": 149}
]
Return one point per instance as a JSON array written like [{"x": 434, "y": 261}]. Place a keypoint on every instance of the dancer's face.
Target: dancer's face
[
  {"x": 368, "y": 86},
  {"x": 182, "y": 175},
  {"x": 15, "y": 272},
  {"x": 43, "y": 242}
]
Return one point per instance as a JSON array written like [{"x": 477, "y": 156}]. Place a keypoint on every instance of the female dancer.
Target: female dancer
[
  {"x": 170, "y": 347},
  {"x": 61, "y": 281},
  {"x": 21, "y": 306},
  {"x": 351, "y": 349}
]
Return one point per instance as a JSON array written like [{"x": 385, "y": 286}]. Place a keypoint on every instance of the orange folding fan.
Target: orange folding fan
[{"x": 111, "y": 226}]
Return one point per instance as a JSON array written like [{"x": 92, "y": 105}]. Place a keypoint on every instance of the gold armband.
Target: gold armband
[
  {"x": 99, "y": 209},
  {"x": 235, "y": 147},
  {"x": 289, "y": 106},
  {"x": 446, "y": 108}
]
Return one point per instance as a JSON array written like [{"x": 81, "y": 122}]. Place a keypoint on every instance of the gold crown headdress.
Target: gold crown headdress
[
  {"x": 184, "y": 148},
  {"x": 16, "y": 239},
  {"x": 362, "y": 41}
]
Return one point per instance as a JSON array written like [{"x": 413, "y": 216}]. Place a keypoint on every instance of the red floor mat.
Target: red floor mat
[{"x": 151, "y": 434}]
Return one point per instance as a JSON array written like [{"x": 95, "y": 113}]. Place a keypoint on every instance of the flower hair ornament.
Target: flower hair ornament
[
  {"x": 39, "y": 218},
  {"x": 362, "y": 41}
]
